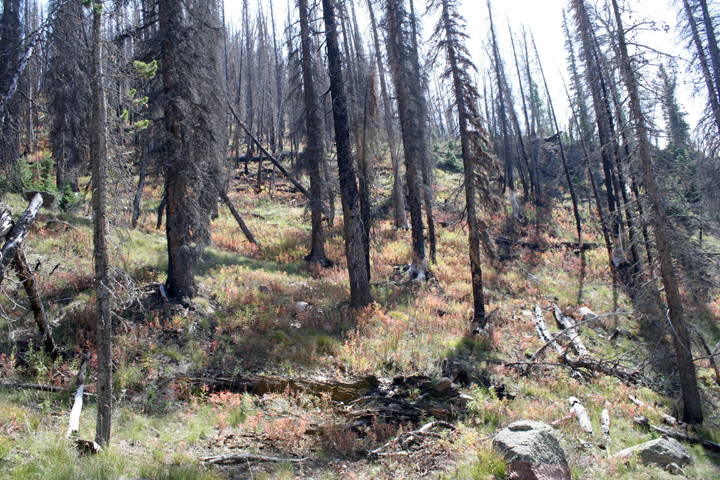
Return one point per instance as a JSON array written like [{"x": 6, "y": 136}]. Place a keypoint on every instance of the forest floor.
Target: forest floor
[{"x": 265, "y": 317}]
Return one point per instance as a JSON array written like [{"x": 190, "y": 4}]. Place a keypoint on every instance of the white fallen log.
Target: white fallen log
[
  {"x": 568, "y": 324},
  {"x": 636, "y": 401},
  {"x": 581, "y": 414},
  {"x": 543, "y": 331},
  {"x": 74, "y": 424},
  {"x": 605, "y": 427}
]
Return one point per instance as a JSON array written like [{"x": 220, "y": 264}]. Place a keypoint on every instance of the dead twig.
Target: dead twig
[
  {"x": 247, "y": 457},
  {"x": 407, "y": 437}
]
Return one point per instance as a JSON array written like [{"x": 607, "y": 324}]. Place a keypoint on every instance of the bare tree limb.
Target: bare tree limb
[{"x": 247, "y": 457}]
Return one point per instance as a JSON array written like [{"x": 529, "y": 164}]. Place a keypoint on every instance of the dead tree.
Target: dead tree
[
  {"x": 354, "y": 229},
  {"x": 98, "y": 160},
  {"x": 314, "y": 146},
  {"x": 472, "y": 139},
  {"x": 692, "y": 411},
  {"x": 412, "y": 121}
]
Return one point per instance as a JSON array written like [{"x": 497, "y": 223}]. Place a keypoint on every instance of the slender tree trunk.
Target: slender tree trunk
[
  {"x": 712, "y": 92},
  {"x": 576, "y": 212},
  {"x": 460, "y": 90},
  {"x": 692, "y": 411},
  {"x": 354, "y": 245},
  {"x": 140, "y": 187},
  {"x": 712, "y": 44},
  {"x": 314, "y": 146},
  {"x": 407, "y": 89},
  {"x": 98, "y": 155},
  {"x": 425, "y": 167},
  {"x": 398, "y": 196}
]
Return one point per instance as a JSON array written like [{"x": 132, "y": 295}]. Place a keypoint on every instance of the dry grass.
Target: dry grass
[{"x": 247, "y": 320}]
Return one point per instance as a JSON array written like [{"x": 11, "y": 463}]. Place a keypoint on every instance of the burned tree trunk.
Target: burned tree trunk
[
  {"x": 314, "y": 146},
  {"x": 98, "y": 157},
  {"x": 409, "y": 99},
  {"x": 354, "y": 229},
  {"x": 692, "y": 411}
]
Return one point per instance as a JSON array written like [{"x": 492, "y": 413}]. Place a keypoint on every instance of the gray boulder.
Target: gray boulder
[
  {"x": 48, "y": 198},
  {"x": 661, "y": 451},
  {"x": 532, "y": 451}
]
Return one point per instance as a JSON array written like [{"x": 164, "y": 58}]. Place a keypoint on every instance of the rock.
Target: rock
[
  {"x": 661, "y": 451},
  {"x": 443, "y": 384},
  {"x": 674, "y": 469},
  {"x": 532, "y": 451},
  {"x": 48, "y": 198},
  {"x": 301, "y": 306}
]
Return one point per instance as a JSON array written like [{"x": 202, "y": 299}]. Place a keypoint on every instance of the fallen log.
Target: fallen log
[
  {"x": 74, "y": 423},
  {"x": 568, "y": 324},
  {"x": 581, "y": 414},
  {"x": 32, "y": 386},
  {"x": 269, "y": 156},
  {"x": 344, "y": 392},
  {"x": 645, "y": 422},
  {"x": 544, "y": 334},
  {"x": 605, "y": 427},
  {"x": 247, "y": 457},
  {"x": 17, "y": 234},
  {"x": 248, "y": 234}
]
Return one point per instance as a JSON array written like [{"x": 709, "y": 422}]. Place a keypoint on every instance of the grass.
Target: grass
[{"x": 246, "y": 321}]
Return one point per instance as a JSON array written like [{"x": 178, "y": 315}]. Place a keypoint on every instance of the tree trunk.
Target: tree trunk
[
  {"x": 712, "y": 92},
  {"x": 398, "y": 196},
  {"x": 354, "y": 245},
  {"x": 314, "y": 146},
  {"x": 692, "y": 411},
  {"x": 98, "y": 155},
  {"x": 407, "y": 89},
  {"x": 461, "y": 90}
]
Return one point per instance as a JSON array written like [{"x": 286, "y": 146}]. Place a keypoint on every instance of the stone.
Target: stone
[
  {"x": 532, "y": 451},
  {"x": 443, "y": 384},
  {"x": 301, "y": 306},
  {"x": 661, "y": 451},
  {"x": 674, "y": 469},
  {"x": 48, "y": 198}
]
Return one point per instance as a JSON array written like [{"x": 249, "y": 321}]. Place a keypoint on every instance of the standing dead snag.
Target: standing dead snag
[
  {"x": 12, "y": 251},
  {"x": 354, "y": 228},
  {"x": 692, "y": 411},
  {"x": 472, "y": 141}
]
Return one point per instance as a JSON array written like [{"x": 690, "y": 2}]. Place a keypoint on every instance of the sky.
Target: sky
[{"x": 544, "y": 19}]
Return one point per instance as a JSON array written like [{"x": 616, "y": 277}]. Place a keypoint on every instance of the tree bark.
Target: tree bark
[
  {"x": 314, "y": 146},
  {"x": 461, "y": 89},
  {"x": 354, "y": 229},
  {"x": 398, "y": 196},
  {"x": 407, "y": 89},
  {"x": 98, "y": 156},
  {"x": 712, "y": 92},
  {"x": 692, "y": 411}
]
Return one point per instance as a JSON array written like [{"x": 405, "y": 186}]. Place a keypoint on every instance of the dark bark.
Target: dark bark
[
  {"x": 241, "y": 223},
  {"x": 462, "y": 91},
  {"x": 401, "y": 220},
  {"x": 692, "y": 411},
  {"x": 354, "y": 229},
  {"x": 578, "y": 223},
  {"x": 709, "y": 84},
  {"x": 407, "y": 89},
  {"x": 140, "y": 187},
  {"x": 314, "y": 146},
  {"x": 98, "y": 159},
  {"x": 27, "y": 278}
]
